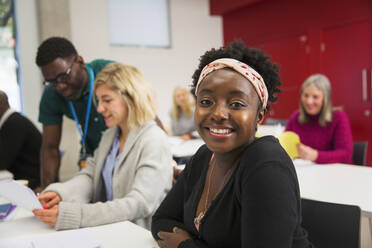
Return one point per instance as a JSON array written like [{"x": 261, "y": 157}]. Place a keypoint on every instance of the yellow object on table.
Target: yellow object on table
[{"x": 289, "y": 141}]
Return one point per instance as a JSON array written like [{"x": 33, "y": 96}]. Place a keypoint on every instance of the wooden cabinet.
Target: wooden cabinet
[
  {"x": 341, "y": 52},
  {"x": 291, "y": 54},
  {"x": 346, "y": 59}
]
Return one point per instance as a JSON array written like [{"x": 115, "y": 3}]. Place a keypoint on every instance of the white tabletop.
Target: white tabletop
[
  {"x": 274, "y": 130},
  {"x": 181, "y": 148},
  {"x": 121, "y": 234},
  {"x": 337, "y": 183}
]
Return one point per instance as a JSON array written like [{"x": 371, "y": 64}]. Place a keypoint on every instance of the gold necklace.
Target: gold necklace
[{"x": 200, "y": 216}]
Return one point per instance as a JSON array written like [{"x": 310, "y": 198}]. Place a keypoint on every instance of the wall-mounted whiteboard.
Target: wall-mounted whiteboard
[{"x": 141, "y": 23}]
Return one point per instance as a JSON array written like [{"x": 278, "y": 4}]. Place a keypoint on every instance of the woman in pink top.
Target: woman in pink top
[{"x": 324, "y": 130}]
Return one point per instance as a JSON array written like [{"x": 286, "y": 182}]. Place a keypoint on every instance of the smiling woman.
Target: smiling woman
[
  {"x": 182, "y": 114},
  {"x": 226, "y": 95},
  {"x": 237, "y": 190},
  {"x": 324, "y": 130}
]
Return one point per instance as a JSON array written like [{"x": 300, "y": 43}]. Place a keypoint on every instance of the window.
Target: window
[{"x": 8, "y": 57}]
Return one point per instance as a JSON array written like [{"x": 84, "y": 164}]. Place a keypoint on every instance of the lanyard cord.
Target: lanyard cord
[{"x": 83, "y": 135}]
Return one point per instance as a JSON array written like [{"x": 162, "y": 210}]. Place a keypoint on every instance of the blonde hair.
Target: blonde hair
[
  {"x": 189, "y": 108},
  {"x": 321, "y": 82},
  {"x": 134, "y": 89}
]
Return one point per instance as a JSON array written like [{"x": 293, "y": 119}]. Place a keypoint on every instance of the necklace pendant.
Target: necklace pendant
[{"x": 198, "y": 219}]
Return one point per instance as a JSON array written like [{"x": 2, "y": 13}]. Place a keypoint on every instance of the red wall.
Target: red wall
[
  {"x": 220, "y": 7},
  {"x": 333, "y": 37},
  {"x": 273, "y": 19}
]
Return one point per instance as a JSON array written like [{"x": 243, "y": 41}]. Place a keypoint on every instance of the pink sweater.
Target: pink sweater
[{"x": 334, "y": 141}]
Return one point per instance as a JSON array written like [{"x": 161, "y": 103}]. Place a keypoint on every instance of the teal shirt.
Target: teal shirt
[{"x": 54, "y": 106}]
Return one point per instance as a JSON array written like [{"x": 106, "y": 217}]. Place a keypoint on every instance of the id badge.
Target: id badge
[{"x": 83, "y": 159}]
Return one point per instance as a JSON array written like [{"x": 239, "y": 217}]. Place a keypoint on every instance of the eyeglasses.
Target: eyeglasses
[{"x": 61, "y": 78}]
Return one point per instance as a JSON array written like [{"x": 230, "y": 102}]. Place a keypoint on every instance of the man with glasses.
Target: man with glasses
[{"x": 68, "y": 92}]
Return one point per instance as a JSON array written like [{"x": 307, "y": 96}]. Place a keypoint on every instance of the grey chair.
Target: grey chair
[
  {"x": 360, "y": 152},
  {"x": 272, "y": 121},
  {"x": 331, "y": 225}
]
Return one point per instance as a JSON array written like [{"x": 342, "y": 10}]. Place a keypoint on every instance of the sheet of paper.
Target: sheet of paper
[
  {"x": 19, "y": 195},
  {"x": 62, "y": 239}
]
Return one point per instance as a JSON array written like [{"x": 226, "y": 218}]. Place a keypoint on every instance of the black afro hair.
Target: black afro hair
[
  {"x": 52, "y": 48},
  {"x": 255, "y": 58}
]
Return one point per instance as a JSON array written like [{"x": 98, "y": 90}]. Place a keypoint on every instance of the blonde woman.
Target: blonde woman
[
  {"x": 182, "y": 113},
  {"x": 131, "y": 170}
]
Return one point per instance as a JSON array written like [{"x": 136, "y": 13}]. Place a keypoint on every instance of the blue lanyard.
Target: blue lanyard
[{"x": 91, "y": 77}]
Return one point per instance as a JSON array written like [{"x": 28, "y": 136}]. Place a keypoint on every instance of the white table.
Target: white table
[
  {"x": 181, "y": 148},
  {"x": 274, "y": 130},
  {"x": 337, "y": 183},
  {"x": 121, "y": 234}
]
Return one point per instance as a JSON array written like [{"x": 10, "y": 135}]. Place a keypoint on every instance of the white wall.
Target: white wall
[{"x": 193, "y": 32}]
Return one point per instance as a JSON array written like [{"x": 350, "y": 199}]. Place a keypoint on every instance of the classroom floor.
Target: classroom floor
[{"x": 365, "y": 235}]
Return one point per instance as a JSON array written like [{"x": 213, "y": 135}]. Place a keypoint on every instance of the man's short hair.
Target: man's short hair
[{"x": 52, "y": 48}]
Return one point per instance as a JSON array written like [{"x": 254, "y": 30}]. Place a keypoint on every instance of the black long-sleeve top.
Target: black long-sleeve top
[
  {"x": 258, "y": 207},
  {"x": 20, "y": 143}
]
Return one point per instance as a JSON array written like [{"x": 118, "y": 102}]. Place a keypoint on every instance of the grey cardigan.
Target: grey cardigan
[{"x": 141, "y": 179}]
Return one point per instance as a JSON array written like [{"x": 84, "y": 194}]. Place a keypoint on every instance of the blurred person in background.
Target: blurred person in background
[
  {"x": 20, "y": 143},
  {"x": 182, "y": 114},
  {"x": 324, "y": 130}
]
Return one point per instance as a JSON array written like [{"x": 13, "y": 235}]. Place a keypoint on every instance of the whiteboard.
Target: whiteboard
[{"x": 140, "y": 23}]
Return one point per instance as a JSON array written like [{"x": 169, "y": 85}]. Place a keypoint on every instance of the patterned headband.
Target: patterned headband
[{"x": 248, "y": 72}]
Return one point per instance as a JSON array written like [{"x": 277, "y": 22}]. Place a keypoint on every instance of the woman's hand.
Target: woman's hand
[
  {"x": 49, "y": 199},
  {"x": 176, "y": 173},
  {"x": 48, "y": 216},
  {"x": 307, "y": 153},
  {"x": 172, "y": 239}
]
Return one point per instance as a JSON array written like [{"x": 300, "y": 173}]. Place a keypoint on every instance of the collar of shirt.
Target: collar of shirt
[
  {"x": 6, "y": 116},
  {"x": 85, "y": 92},
  {"x": 109, "y": 166}
]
